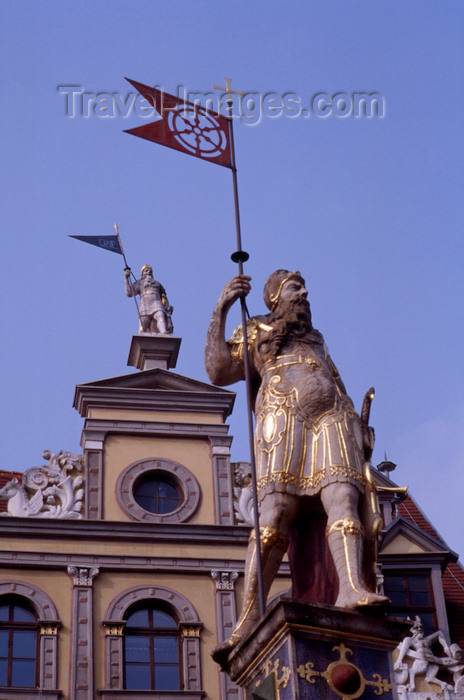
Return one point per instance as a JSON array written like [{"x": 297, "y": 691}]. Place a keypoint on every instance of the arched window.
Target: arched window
[
  {"x": 18, "y": 643},
  {"x": 29, "y": 627},
  {"x": 152, "y": 643},
  {"x": 151, "y": 649}
]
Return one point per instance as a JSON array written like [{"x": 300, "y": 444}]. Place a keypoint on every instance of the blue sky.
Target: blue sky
[{"x": 370, "y": 210}]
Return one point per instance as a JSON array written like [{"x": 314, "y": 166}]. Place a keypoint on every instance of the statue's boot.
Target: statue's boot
[
  {"x": 273, "y": 547},
  {"x": 345, "y": 538}
]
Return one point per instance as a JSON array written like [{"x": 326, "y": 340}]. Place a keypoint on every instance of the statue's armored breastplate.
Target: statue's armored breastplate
[
  {"x": 151, "y": 289},
  {"x": 306, "y": 375}
]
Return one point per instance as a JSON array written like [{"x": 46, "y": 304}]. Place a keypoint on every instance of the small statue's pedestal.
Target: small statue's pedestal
[
  {"x": 153, "y": 351},
  {"x": 308, "y": 651}
]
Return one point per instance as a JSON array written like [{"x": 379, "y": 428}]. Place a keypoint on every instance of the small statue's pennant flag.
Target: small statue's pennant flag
[
  {"x": 107, "y": 242},
  {"x": 185, "y": 126}
]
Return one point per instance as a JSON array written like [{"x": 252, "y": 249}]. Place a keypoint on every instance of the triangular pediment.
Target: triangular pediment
[
  {"x": 403, "y": 537},
  {"x": 157, "y": 380},
  {"x": 154, "y": 389}
]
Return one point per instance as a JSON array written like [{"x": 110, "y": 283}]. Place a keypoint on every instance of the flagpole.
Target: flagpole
[
  {"x": 116, "y": 228},
  {"x": 240, "y": 256}
]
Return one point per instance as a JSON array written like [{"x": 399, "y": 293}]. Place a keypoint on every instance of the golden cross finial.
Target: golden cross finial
[{"x": 228, "y": 89}]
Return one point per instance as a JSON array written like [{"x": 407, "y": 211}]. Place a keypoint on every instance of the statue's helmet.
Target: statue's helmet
[
  {"x": 274, "y": 284},
  {"x": 146, "y": 267}
]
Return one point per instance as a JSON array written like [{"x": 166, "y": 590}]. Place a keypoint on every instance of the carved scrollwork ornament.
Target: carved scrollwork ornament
[
  {"x": 48, "y": 628},
  {"x": 243, "y": 494},
  {"x": 225, "y": 580},
  {"x": 190, "y": 630},
  {"x": 83, "y": 576},
  {"x": 53, "y": 490},
  {"x": 112, "y": 629}
]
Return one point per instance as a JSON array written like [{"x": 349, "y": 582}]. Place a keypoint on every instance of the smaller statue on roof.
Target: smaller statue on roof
[{"x": 155, "y": 313}]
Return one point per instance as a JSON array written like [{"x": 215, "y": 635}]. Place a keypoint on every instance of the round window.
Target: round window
[{"x": 157, "y": 493}]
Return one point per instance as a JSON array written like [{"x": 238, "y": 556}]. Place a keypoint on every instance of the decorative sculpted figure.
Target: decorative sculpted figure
[
  {"x": 53, "y": 490},
  {"x": 155, "y": 313},
  {"x": 311, "y": 447},
  {"x": 425, "y": 662}
]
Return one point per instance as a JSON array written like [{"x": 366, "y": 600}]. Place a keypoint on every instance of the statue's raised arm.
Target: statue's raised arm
[{"x": 219, "y": 363}]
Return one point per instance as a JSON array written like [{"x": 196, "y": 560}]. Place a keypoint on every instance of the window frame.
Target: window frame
[
  {"x": 176, "y": 473},
  {"x": 12, "y": 626},
  {"x": 189, "y": 626},
  {"x": 152, "y": 632},
  {"x": 47, "y": 625},
  {"x": 158, "y": 477},
  {"x": 410, "y": 610}
]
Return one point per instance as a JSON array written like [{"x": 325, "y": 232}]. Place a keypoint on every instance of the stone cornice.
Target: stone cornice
[
  {"x": 133, "y": 563},
  {"x": 415, "y": 560},
  {"x": 115, "y": 531},
  {"x": 197, "y": 398},
  {"x": 97, "y": 428}
]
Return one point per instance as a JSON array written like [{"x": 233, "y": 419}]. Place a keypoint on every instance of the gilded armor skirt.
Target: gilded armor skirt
[{"x": 298, "y": 454}]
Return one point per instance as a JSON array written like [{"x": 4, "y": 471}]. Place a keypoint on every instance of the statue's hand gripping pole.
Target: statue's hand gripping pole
[{"x": 127, "y": 266}]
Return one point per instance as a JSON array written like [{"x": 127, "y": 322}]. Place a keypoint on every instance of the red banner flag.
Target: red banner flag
[{"x": 185, "y": 126}]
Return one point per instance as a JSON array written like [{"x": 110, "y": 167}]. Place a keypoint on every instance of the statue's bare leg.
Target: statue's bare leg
[
  {"x": 160, "y": 319},
  {"x": 145, "y": 323},
  {"x": 278, "y": 511},
  {"x": 345, "y": 538}
]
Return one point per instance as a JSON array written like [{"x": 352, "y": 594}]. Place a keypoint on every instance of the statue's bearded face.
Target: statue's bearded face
[
  {"x": 291, "y": 318},
  {"x": 147, "y": 273},
  {"x": 293, "y": 290}
]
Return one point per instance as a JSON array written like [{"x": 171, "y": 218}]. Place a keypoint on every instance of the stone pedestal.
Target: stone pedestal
[
  {"x": 153, "y": 351},
  {"x": 307, "y": 651}
]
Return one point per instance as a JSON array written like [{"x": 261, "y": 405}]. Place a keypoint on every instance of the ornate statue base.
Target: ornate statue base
[
  {"x": 153, "y": 351},
  {"x": 312, "y": 651}
]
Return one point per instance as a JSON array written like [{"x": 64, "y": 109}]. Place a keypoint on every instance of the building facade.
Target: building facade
[{"x": 122, "y": 567}]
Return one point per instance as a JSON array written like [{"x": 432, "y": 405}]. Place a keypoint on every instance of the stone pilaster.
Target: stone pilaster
[
  {"x": 190, "y": 639},
  {"x": 220, "y": 449},
  {"x": 93, "y": 451},
  {"x": 114, "y": 633},
  {"x": 48, "y": 633},
  {"x": 82, "y": 679},
  {"x": 226, "y": 617}
]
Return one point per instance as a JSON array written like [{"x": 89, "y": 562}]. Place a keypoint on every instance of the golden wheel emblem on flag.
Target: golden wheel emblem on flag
[{"x": 197, "y": 131}]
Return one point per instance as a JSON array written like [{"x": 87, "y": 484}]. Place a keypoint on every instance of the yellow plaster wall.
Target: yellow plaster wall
[
  {"x": 402, "y": 545},
  {"x": 198, "y": 588},
  {"x": 57, "y": 585},
  {"x": 281, "y": 584},
  {"x": 155, "y": 416},
  {"x": 122, "y": 451}
]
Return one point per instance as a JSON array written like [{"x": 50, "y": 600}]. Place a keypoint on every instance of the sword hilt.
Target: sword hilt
[{"x": 366, "y": 406}]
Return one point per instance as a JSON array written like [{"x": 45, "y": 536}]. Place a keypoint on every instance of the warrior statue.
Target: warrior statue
[
  {"x": 309, "y": 441},
  {"x": 155, "y": 312}
]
